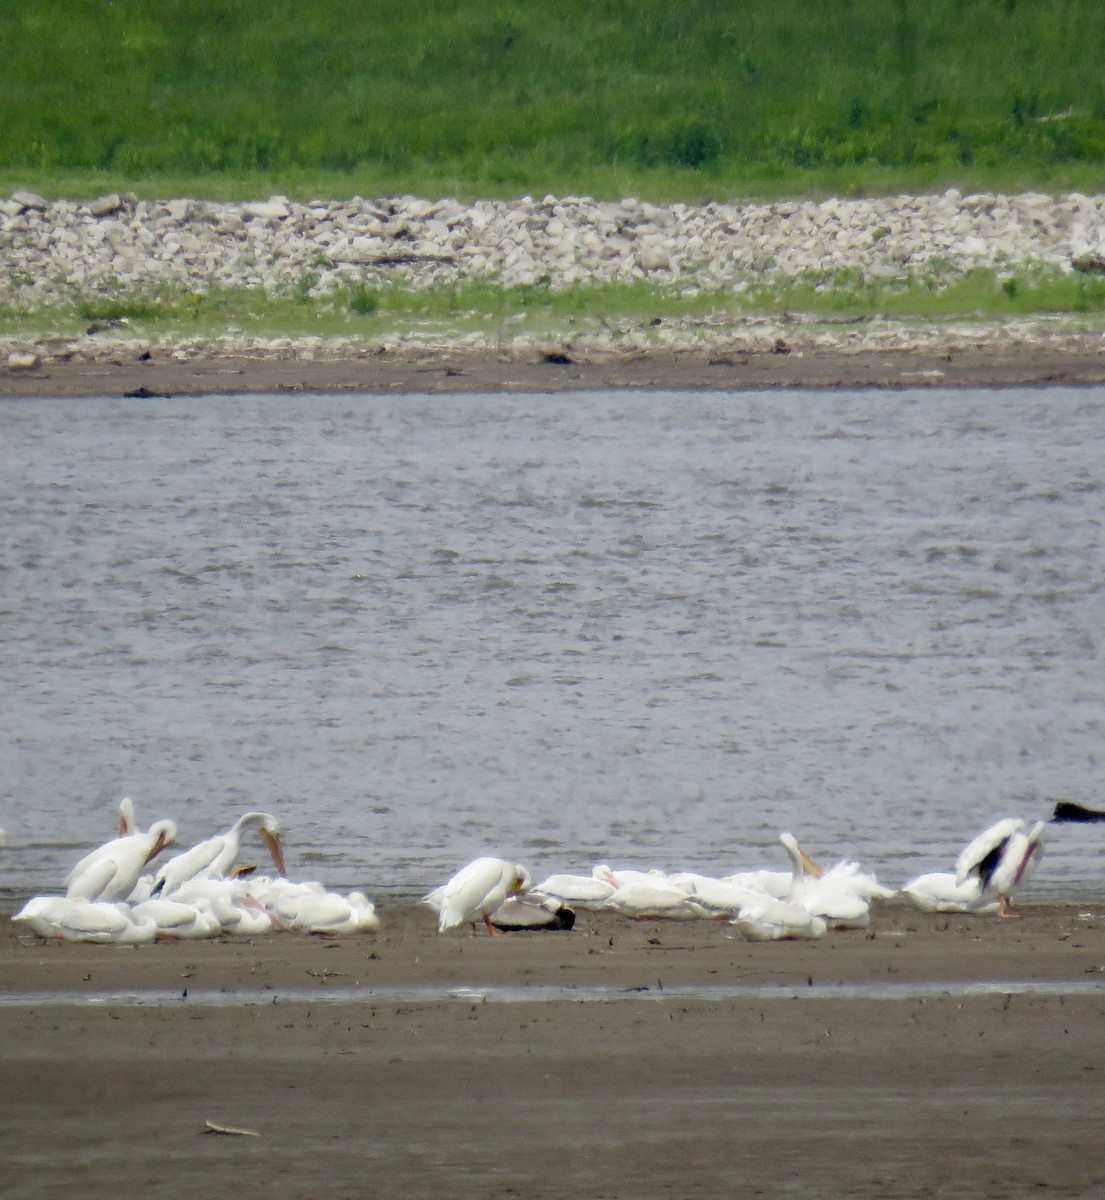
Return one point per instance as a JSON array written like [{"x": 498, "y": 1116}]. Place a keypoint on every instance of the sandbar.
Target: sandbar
[{"x": 928, "y": 1055}]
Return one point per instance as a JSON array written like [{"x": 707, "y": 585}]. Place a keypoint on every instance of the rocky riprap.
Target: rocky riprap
[{"x": 118, "y": 245}]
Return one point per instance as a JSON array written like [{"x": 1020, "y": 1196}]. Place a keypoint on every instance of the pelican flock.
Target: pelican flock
[
  {"x": 204, "y": 892},
  {"x": 200, "y": 893}
]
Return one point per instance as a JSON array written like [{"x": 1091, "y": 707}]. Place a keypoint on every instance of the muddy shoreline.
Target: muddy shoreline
[
  {"x": 642, "y": 1094},
  {"x": 1073, "y": 360}
]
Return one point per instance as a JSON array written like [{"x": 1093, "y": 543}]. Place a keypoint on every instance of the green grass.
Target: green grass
[
  {"x": 231, "y": 98},
  {"x": 389, "y": 311}
]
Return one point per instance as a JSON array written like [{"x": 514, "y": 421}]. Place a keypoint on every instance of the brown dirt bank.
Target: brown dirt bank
[
  {"x": 994, "y": 1095},
  {"x": 1075, "y": 360}
]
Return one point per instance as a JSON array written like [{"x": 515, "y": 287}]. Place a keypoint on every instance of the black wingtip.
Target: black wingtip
[{"x": 1067, "y": 810}]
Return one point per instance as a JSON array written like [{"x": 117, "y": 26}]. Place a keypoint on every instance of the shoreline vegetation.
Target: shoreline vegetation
[{"x": 692, "y": 110}]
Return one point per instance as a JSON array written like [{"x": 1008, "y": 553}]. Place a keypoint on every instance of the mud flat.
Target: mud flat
[
  {"x": 926, "y": 1056},
  {"x": 939, "y": 360}
]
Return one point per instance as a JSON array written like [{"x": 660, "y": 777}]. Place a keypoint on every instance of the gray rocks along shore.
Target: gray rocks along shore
[{"x": 54, "y": 251}]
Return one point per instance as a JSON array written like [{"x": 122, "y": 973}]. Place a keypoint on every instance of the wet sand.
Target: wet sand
[
  {"x": 640, "y": 1089},
  {"x": 1076, "y": 359}
]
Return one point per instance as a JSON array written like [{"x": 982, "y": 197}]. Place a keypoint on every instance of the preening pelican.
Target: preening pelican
[
  {"x": 110, "y": 872},
  {"x": 779, "y": 884},
  {"x": 475, "y": 891},
  {"x": 214, "y": 858},
  {"x": 1000, "y": 858},
  {"x": 841, "y": 896}
]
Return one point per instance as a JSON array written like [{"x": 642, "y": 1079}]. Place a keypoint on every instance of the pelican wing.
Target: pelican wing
[{"x": 981, "y": 855}]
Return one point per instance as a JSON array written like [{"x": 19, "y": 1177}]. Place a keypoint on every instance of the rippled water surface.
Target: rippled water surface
[{"x": 651, "y": 629}]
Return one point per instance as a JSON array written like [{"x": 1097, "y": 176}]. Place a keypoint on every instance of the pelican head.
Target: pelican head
[
  {"x": 163, "y": 834},
  {"x": 126, "y": 816},
  {"x": 269, "y": 828},
  {"x": 801, "y": 860},
  {"x": 521, "y": 882}
]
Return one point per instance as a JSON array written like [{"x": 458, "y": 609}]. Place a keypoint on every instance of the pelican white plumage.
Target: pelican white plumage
[
  {"x": 779, "y": 884},
  {"x": 111, "y": 871},
  {"x": 127, "y": 823},
  {"x": 839, "y": 896},
  {"x": 476, "y": 891},
  {"x": 214, "y": 858},
  {"x": 239, "y": 913},
  {"x": 577, "y": 891},
  {"x": 1000, "y": 858},
  {"x": 179, "y": 919},
  {"x": 715, "y": 897},
  {"x": 768, "y": 919},
  {"x": 938, "y": 891},
  {"x": 643, "y": 898},
  {"x": 328, "y": 913},
  {"x": 79, "y": 920}
]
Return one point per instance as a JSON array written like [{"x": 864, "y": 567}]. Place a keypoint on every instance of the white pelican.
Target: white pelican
[
  {"x": 715, "y": 897},
  {"x": 768, "y": 919},
  {"x": 643, "y": 898},
  {"x": 625, "y": 874},
  {"x": 111, "y": 871},
  {"x": 214, "y": 858},
  {"x": 85, "y": 920},
  {"x": 178, "y": 919},
  {"x": 1000, "y": 858},
  {"x": 127, "y": 823},
  {"x": 937, "y": 891},
  {"x": 231, "y": 902},
  {"x": 310, "y": 911},
  {"x": 840, "y": 895},
  {"x": 475, "y": 891},
  {"x": 578, "y": 891},
  {"x": 779, "y": 884}
]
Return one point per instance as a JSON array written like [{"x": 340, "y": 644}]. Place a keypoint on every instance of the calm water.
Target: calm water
[{"x": 646, "y": 629}]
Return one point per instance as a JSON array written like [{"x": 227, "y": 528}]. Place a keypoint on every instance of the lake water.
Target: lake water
[{"x": 649, "y": 629}]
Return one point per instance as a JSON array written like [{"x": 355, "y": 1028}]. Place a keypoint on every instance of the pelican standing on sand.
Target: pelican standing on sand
[{"x": 475, "y": 892}]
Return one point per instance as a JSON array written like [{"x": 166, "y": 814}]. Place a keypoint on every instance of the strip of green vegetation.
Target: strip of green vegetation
[
  {"x": 450, "y": 311},
  {"x": 227, "y": 98}
]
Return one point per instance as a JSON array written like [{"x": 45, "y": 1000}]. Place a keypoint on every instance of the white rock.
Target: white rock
[
  {"x": 654, "y": 257},
  {"x": 267, "y": 210},
  {"x": 27, "y": 200},
  {"x": 20, "y": 360},
  {"x": 105, "y": 205}
]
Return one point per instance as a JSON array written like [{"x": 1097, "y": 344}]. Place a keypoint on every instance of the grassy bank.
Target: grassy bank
[
  {"x": 384, "y": 312},
  {"x": 229, "y": 99}
]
